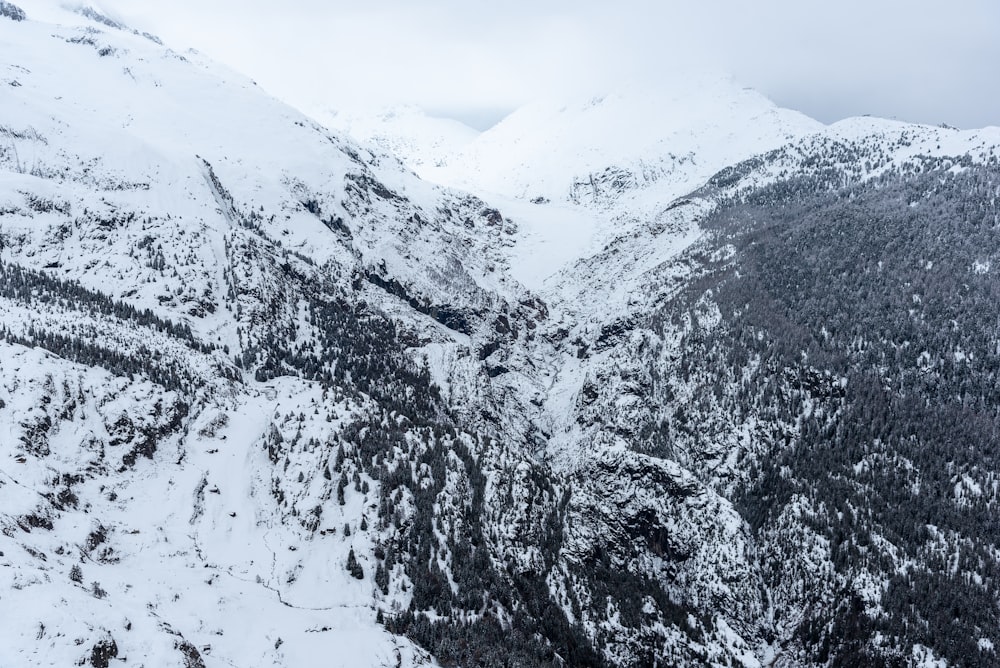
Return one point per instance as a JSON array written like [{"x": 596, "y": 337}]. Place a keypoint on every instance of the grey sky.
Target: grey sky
[{"x": 919, "y": 60}]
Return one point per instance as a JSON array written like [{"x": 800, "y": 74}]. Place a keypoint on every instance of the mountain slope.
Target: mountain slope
[
  {"x": 803, "y": 357},
  {"x": 422, "y": 142},
  {"x": 166, "y": 222},
  {"x": 593, "y": 169},
  {"x": 294, "y": 349},
  {"x": 599, "y": 150},
  {"x": 267, "y": 397}
]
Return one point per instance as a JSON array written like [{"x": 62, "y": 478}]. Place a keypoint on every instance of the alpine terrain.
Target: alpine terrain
[{"x": 672, "y": 378}]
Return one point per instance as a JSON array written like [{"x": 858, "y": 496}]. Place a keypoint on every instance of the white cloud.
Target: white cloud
[{"x": 912, "y": 60}]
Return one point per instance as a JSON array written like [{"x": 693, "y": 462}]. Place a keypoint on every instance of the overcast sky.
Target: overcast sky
[{"x": 915, "y": 60}]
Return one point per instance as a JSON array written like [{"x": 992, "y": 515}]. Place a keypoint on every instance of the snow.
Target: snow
[
  {"x": 583, "y": 215},
  {"x": 221, "y": 577},
  {"x": 924, "y": 657},
  {"x": 690, "y": 130},
  {"x": 576, "y": 175},
  {"x": 420, "y": 141},
  {"x": 201, "y": 552},
  {"x": 549, "y": 236}
]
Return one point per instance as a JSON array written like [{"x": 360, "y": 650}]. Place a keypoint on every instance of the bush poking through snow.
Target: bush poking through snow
[{"x": 12, "y": 12}]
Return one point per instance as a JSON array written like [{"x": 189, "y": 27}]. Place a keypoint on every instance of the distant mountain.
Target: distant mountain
[
  {"x": 688, "y": 379},
  {"x": 623, "y": 153},
  {"x": 421, "y": 141}
]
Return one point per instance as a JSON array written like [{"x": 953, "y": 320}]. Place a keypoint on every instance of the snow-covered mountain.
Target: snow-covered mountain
[
  {"x": 593, "y": 168},
  {"x": 662, "y": 391},
  {"x": 637, "y": 145},
  {"x": 645, "y": 146},
  {"x": 421, "y": 141},
  {"x": 164, "y": 220}
]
